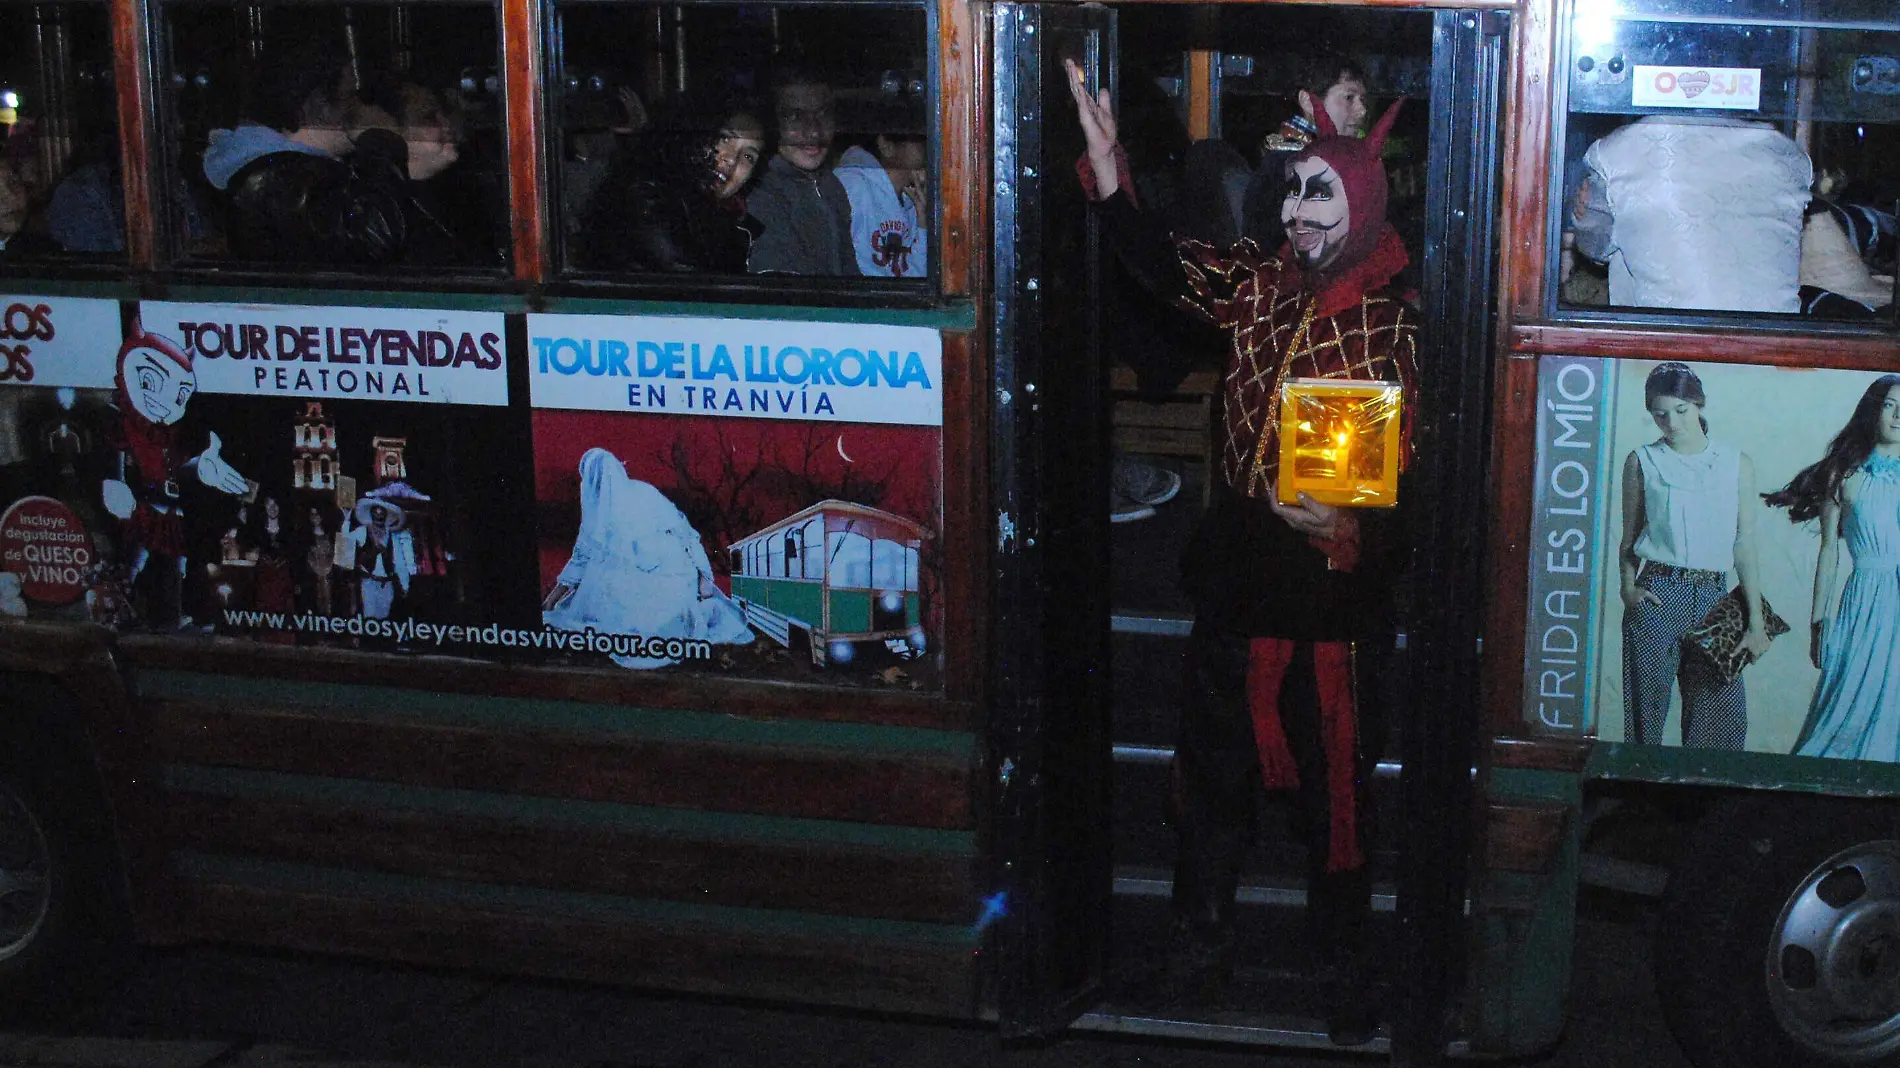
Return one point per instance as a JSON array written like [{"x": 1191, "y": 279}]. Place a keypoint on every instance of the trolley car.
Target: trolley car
[
  {"x": 831, "y": 576},
  {"x": 381, "y": 743}
]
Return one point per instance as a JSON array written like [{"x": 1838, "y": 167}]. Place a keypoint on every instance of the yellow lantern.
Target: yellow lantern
[{"x": 1339, "y": 441}]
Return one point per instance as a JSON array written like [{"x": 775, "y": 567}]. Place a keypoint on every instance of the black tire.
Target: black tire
[
  {"x": 1779, "y": 945},
  {"x": 62, "y": 931}
]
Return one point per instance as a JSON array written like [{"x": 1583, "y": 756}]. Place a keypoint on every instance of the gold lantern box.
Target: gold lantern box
[{"x": 1339, "y": 441}]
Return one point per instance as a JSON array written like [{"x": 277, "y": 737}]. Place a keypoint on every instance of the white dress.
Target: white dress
[{"x": 639, "y": 568}]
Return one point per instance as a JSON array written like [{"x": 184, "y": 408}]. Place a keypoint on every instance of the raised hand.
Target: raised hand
[
  {"x": 118, "y": 499},
  {"x": 214, "y": 472},
  {"x": 1098, "y": 129}
]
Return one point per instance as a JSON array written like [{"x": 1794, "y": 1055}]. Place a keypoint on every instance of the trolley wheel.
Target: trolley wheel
[
  {"x": 61, "y": 936},
  {"x": 1780, "y": 936}
]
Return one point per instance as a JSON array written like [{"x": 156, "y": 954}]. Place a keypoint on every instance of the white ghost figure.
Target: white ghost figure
[{"x": 638, "y": 567}]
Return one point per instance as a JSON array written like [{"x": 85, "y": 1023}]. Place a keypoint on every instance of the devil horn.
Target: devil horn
[{"x": 1376, "y": 139}]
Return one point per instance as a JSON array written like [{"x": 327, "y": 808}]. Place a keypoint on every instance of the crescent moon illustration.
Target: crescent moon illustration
[{"x": 841, "y": 453}]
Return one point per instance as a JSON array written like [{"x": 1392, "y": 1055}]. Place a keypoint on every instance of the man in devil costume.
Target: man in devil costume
[
  {"x": 1281, "y": 592},
  {"x": 155, "y": 383}
]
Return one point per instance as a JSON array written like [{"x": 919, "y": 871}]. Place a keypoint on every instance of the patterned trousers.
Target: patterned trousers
[{"x": 1714, "y": 711}]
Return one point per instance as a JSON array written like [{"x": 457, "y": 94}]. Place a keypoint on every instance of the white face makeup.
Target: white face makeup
[
  {"x": 156, "y": 385},
  {"x": 1888, "y": 429},
  {"x": 1316, "y": 214}
]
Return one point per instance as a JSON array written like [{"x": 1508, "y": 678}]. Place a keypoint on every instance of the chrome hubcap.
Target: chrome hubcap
[{"x": 1834, "y": 956}]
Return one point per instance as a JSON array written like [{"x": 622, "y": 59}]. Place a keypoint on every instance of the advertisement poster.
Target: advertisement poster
[
  {"x": 296, "y": 475},
  {"x": 57, "y": 362},
  {"x": 753, "y": 498},
  {"x": 1670, "y": 498}
]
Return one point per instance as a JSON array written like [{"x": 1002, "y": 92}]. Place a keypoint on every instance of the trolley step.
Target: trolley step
[
  {"x": 1268, "y": 891},
  {"x": 1164, "y": 754}
]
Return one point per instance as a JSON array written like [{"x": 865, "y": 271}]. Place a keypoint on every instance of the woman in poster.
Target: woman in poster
[
  {"x": 1855, "y": 491},
  {"x": 1686, "y": 524},
  {"x": 268, "y": 543},
  {"x": 638, "y": 567},
  {"x": 319, "y": 560}
]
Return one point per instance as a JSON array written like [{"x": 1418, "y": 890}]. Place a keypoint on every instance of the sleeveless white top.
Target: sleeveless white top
[
  {"x": 1691, "y": 505},
  {"x": 1707, "y": 213}
]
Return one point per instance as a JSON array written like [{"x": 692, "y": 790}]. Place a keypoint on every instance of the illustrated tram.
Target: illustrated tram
[
  {"x": 831, "y": 576},
  {"x": 596, "y": 652}
]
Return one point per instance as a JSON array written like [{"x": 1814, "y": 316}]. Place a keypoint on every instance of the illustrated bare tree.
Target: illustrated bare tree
[
  {"x": 718, "y": 492},
  {"x": 800, "y": 472}
]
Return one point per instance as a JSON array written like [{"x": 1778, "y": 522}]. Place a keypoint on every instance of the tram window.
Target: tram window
[
  {"x": 60, "y": 192},
  {"x": 775, "y": 558},
  {"x": 761, "y": 140},
  {"x": 850, "y": 555},
  {"x": 1712, "y": 168},
  {"x": 887, "y": 565},
  {"x": 814, "y": 534},
  {"x": 360, "y": 138}
]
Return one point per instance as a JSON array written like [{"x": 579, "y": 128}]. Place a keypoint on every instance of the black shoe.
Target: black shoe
[{"x": 1352, "y": 1017}]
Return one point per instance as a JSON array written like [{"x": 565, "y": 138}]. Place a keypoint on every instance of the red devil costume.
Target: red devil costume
[
  {"x": 1277, "y": 613},
  {"x": 154, "y": 458}
]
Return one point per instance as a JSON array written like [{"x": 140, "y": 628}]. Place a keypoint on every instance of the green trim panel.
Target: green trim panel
[
  {"x": 345, "y": 298},
  {"x": 802, "y": 600},
  {"x": 1525, "y": 930},
  {"x": 390, "y": 705},
  {"x": 958, "y": 317},
  {"x": 850, "y": 612},
  {"x": 1620, "y": 761},
  {"x": 1533, "y": 784},
  {"x": 273, "y": 875},
  {"x": 561, "y": 814},
  {"x": 103, "y": 289},
  {"x": 955, "y": 318}
]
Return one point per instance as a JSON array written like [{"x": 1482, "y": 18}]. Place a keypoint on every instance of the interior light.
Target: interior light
[{"x": 1593, "y": 29}]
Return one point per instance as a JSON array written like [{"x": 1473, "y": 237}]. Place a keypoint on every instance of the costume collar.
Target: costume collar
[{"x": 1334, "y": 293}]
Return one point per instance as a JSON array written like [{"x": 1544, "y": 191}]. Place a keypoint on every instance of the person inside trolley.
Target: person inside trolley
[
  {"x": 673, "y": 202},
  {"x": 1280, "y": 591},
  {"x": 803, "y": 206}
]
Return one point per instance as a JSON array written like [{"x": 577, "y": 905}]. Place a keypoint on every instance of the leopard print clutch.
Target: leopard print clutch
[{"x": 1718, "y": 638}]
